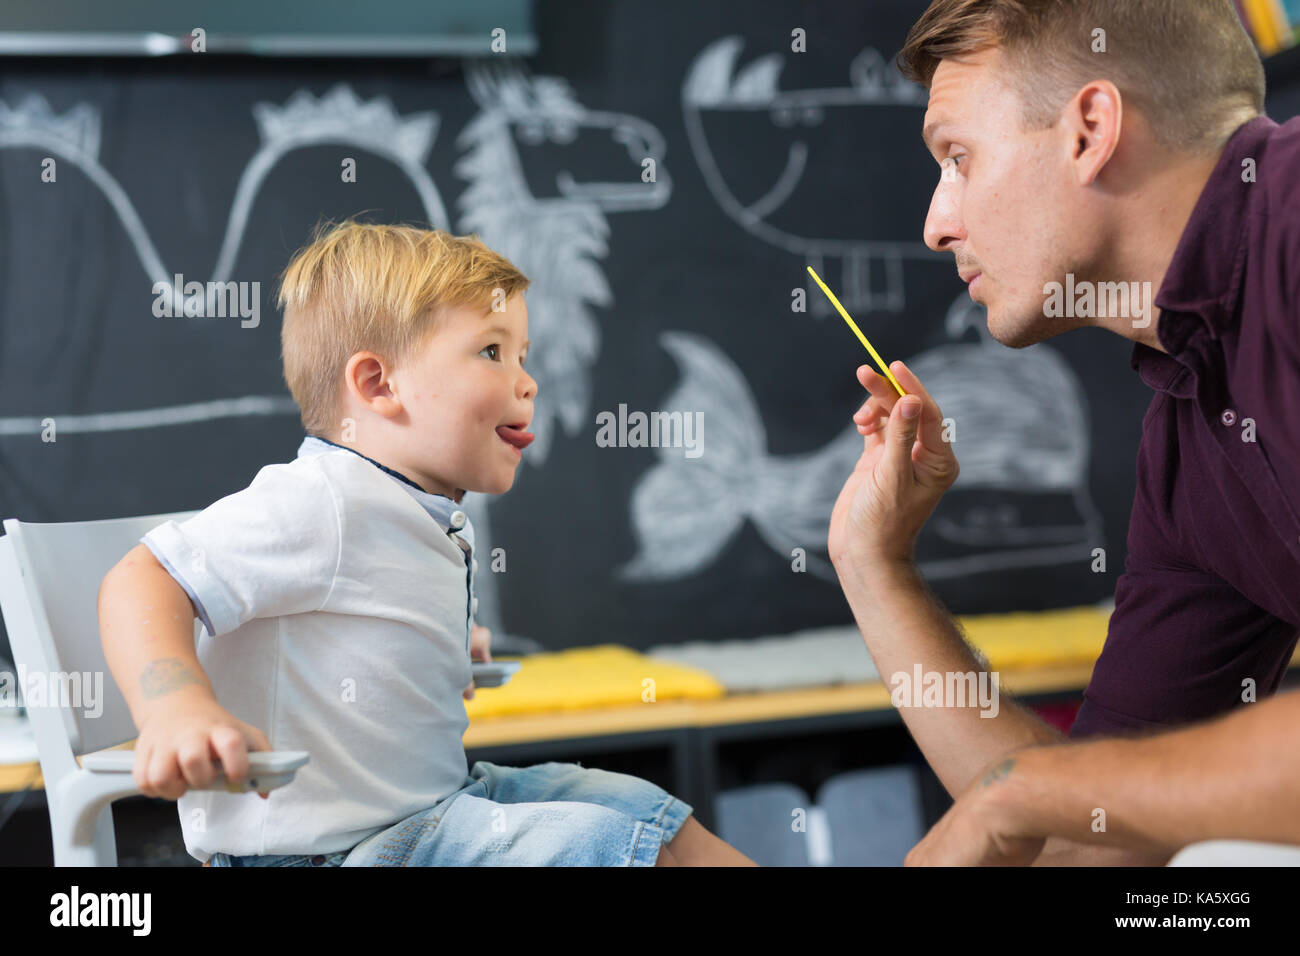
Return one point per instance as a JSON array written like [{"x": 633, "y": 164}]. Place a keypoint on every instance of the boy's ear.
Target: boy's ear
[{"x": 368, "y": 378}]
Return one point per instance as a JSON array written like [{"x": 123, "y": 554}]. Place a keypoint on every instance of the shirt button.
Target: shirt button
[
  {"x": 474, "y": 565},
  {"x": 473, "y": 606},
  {"x": 1229, "y": 417},
  {"x": 458, "y": 520}
]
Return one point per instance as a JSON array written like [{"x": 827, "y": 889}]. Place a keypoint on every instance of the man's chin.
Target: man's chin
[{"x": 1019, "y": 332}]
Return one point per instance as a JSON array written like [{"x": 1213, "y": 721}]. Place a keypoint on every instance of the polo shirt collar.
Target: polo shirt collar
[
  {"x": 446, "y": 511},
  {"x": 1205, "y": 274}
]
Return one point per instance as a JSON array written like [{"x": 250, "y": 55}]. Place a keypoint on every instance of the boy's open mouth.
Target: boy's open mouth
[{"x": 515, "y": 435}]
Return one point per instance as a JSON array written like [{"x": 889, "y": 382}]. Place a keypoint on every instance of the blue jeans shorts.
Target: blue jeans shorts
[{"x": 553, "y": 814}]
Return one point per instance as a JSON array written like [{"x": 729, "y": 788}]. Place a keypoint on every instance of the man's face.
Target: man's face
[
  {"x": 1004, "y": 205},
  {"x": 467, "y": 383}
]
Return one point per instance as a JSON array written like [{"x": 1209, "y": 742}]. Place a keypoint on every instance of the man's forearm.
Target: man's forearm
[
  {"x": 903, "y": 625},
  {"x": 1236, "y": 777}
]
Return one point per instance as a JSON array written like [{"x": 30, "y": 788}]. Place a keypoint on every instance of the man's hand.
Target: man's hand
[
  {"x": 982, "y": 828},
  {"x": 905, "y": 468},
  {"x": 479, "y": 639}
]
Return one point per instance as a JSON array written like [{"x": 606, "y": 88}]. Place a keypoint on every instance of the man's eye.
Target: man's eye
[{"x": 486, "y": 347}]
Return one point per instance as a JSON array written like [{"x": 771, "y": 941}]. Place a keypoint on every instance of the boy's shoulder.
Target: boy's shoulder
[{"x": 326, "y": 473}]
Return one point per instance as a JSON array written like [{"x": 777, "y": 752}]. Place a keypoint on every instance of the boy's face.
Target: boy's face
[{"x": 461, "y": 395}]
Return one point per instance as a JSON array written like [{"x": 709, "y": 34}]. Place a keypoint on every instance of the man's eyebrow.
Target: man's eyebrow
[
  {"x": 503, "y": 332},
  {"x": 931, "y": 131}
]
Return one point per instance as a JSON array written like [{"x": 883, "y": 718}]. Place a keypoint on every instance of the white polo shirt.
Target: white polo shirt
[{"x": 337, "y": 598}]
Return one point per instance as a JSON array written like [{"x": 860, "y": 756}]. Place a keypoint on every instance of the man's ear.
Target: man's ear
[{"x": 1093, "y": 122}]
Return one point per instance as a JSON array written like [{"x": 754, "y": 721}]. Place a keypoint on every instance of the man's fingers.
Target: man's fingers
[
  {"x": 930, "y": 429},
  {"x": 902, "y": 435}
]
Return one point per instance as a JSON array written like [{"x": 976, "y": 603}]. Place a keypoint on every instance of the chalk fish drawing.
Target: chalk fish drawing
[
  {"x": 730, "y": 116},
  {"x": 1020, "y": 500}
]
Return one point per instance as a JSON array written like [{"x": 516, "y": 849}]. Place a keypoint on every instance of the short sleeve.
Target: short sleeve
[{"x": 269, "y": 550}]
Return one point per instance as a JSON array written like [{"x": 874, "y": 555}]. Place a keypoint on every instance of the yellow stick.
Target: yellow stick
[{"x": 857, "y": 331}]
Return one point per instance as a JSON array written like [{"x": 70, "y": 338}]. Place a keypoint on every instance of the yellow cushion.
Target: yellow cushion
[
  {"x": 1039, "y": 638},
  {"x": 612, "y": 676},
  {"x": 588, "y": 677}
]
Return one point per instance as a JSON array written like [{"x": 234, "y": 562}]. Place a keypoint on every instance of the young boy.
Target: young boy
[{"x": 336, "y": 592}]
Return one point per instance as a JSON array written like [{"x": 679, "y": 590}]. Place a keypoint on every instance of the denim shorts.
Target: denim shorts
[{"x": 553, "y": 814}]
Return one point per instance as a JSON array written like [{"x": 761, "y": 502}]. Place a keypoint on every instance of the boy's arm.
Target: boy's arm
[
  {"x": 146, "y": 626},
  {"x": 146, "y": 623}
]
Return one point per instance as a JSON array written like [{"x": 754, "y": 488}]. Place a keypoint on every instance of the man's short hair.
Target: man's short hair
[{"x": 1187, "y": 65}]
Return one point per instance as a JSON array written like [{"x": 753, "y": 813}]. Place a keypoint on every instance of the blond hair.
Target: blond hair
[
  {"x": 1188, "y": 65},
  {"x": 359, "y": 286}
]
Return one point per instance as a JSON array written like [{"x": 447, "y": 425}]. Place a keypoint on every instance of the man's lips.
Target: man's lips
[{"x": 515, "y": 436}]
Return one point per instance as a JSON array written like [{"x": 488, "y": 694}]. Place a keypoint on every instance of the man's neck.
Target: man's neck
[{"x": 1157, "y": 216}]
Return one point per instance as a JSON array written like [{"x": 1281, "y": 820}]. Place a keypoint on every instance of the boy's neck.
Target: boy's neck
[{"x": 376, "y": 458}]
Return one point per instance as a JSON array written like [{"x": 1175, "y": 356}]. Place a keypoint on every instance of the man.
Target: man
[{"x": 1082, "y": 144}]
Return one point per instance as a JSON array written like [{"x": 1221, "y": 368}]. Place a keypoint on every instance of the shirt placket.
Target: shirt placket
[
  {"x": 456, "y": 525},
  {"x": 1226, "y": 420}
]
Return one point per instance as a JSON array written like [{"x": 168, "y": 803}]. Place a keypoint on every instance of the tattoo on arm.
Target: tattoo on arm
[
  {"x": 998, "y": 773},
  {"x": 165, "y": 675}
]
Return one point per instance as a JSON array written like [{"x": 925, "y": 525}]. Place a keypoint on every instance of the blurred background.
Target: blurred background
[{"x": 664, "y": 173}]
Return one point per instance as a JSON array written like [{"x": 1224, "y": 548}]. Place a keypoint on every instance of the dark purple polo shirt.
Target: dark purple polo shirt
[{"x": 1210, "y": 594}]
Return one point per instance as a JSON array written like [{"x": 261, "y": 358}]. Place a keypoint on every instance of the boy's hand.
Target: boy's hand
[
  {"x": 180, "y": 741},
  {"x": 479, "y": 639}
]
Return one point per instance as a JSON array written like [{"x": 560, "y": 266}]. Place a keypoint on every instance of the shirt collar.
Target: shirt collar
[
  {"x": 1205, "y": 274},
  {"x": 446, "y": 511}
]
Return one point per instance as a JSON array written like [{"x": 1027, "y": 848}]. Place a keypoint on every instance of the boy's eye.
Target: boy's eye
[{"x": 486, "y": 347}]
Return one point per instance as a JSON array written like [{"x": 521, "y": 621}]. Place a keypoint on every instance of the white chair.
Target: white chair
[
  {"x": 1237, "y": 853},
  {"x": 49, "y": 593}
]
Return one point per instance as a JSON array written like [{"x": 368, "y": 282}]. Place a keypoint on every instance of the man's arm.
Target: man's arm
[
  {"x": 1235, "y": 777},
  {"x": 903, "y": 624}
]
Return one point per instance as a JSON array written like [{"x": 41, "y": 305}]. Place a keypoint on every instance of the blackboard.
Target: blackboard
[{"x": 671, "y": 295}]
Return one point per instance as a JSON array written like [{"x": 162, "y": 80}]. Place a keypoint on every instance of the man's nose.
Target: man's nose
[{"x": 943, "y": 225}]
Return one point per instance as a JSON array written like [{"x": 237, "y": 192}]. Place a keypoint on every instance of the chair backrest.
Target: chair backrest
[{"x": 49, "y": 592}]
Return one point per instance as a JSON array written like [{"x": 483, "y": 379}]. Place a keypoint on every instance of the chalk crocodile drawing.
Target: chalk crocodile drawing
[
  {"x": 303, "y": 121},
  {"x": 1020, "y": 500},
  {"x": 734, "y": 119}
]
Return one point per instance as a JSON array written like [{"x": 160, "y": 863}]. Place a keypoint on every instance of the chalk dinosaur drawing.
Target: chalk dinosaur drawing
[
  {"x": 303, "y": 121},
  {"x": 555, "y": 230},
  {"x": 1020, "y": 500},
  {"x": 733, "y": 117}
]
